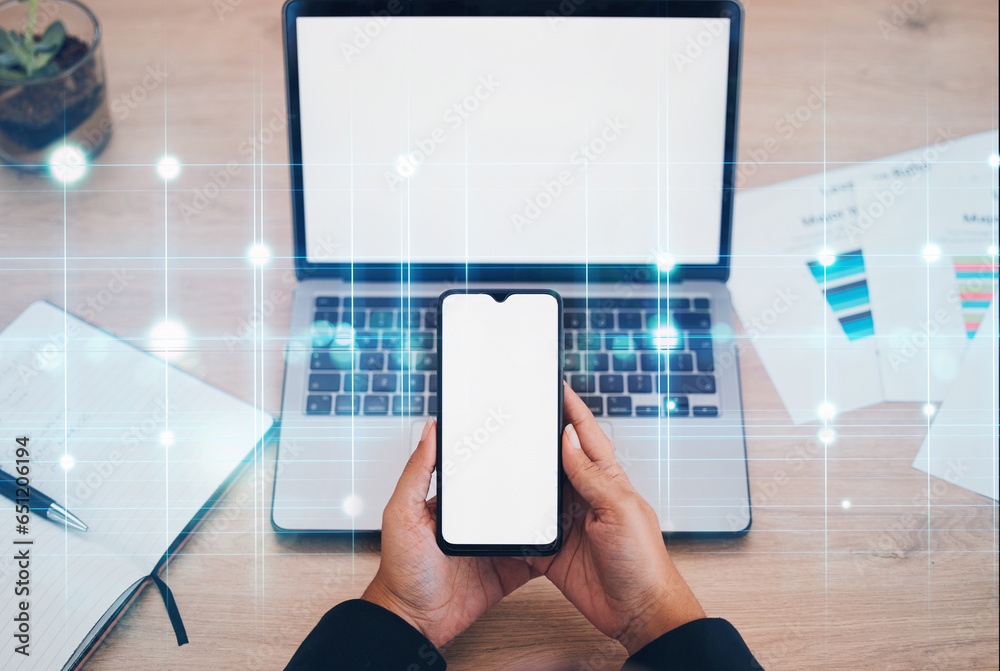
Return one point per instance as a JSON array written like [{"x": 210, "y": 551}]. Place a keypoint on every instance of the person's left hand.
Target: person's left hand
[{"x": 439, "y": 595}]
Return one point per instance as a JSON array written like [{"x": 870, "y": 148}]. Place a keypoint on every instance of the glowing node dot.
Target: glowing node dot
[
  {"x": 167, "y": 438},
  {"x": 168, "y": 167},
  {"x": 826, "y": 258},
  {"x": 845, "y": 504},
  {"x": 827, "y": 411},
  {"x": 665, "y": 262},
  {"x": 67, "y": 462},
  {"x": 67, "y": 164},
  {"x": 932, "y": 253},
  {"x": 992, "y": 251},
  {"x": 827, "y": 436},
  {"x": 671, "y": 405},
  {"x": 995, "y": 161},
  {"x": 167, "y": 338},
  {"x": 259, "y": 254},
  {"x": 406, "y": 166},
  {"x": 344, "y": 337},
  {"x": 929, "y": 409},
  {"x": 353, "y": 506},
  {"x": 666, "y": 337}
]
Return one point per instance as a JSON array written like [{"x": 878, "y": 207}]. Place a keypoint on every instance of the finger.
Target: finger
[
  {"x": 416, "y": 477},
  {"x": 590, "y": 481},
  {"x": 597, "y": 446}
]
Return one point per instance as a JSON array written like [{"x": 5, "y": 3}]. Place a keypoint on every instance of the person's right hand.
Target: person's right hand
[{"x": 613, "y": 565}]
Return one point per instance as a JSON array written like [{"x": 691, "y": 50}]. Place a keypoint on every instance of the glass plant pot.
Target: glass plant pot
[{"x": 42, "y": 114}]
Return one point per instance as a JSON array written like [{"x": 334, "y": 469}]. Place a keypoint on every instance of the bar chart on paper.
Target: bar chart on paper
[
  {"x": 843, "y": 281},
  {"x": 977, "y": 281}
]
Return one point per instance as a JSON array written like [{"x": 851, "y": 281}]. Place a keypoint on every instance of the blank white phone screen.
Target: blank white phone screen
[{"x": 499, "y": 419}]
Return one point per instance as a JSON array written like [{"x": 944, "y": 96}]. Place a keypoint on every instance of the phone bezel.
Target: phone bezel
[{"x": 501, "y": 550}]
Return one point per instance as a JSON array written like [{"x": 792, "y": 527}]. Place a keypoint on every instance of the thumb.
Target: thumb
[
  {"x": 412, "y": 487},
  {"x": 591, "y": 481}
]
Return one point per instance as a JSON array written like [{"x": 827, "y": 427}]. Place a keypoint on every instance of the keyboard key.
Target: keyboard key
[
  {"x": 571, "y": 361},
  {"x": 647, "y": 411},
  {"x": 347, "y": 404},
  {"x": 319, "y": 404},
  {"x": 602, "y": 319},
  {"x": 409, "y": 319},
  {"x": 595, "y": 403},
  {"x": 414, "y": 383},
  {"x": 705, "y": 362},
  {"x": 698, "y": 340},
  {"x": 381, "y": 319},
  {"x": 355, "y": 319},
  {"x": 432, "y": 384},
  {"x": 686, "y": 384},
  {"x": 652, "y": 362},
  {"x": 640, "y": 384},
  {"x": 432, "y": 405},
  {"x": 426, "y": 361},
  {"x": 431, "y": 319},
  {"x": 322, "y": 334},
  {"x": 331, "y": 360},
  {"x": 391, "y": 302},
  {"x": 326, "y": 316},
  {"x": 366, "y": 340},
  {"x": 327, "y": 301},
  {"x": 700, "y": 304},
  {"x": 589, "y": 341},
  {"x": 384, "y": 382},
  {"x": 392, "y": 340},
  {"x": 421, "y": 340},
  {"x": 324, "y": 382},
  {"x": 623, "y": 362},
  {"x": 399, "y": 361},
  {"x": 676, "y": 406},
  {"x": 597, "y": 362},
  {"x": 618, "y": 341},
  {"x": 376, "y": 404},
  {"x": 679, "y": 303},
  {"x": 692, "y": 320},
  {"x": 643, "y": 341},
  {"x": 574, "y": 320},
  {"x": 582, "y": 384},
  {"x": 619, "y": 406},
  {"x": 356, "y": 382},
  {"x": 372, "y": 361},
  {"x": 568, "y": 341},
  {"x": 629, "y": 321},
  {"x": 407, "y": 405},
  {"x": 611, "y": 384},
  {"x": 706, "y": 411},
  {"x": 681, "y": 361}
]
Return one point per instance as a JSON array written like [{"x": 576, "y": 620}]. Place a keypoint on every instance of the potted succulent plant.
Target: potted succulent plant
[{"x": 52, "y": 90}]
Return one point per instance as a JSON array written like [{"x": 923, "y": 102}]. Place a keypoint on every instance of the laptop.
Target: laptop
[{"x": 585, "y": 147}]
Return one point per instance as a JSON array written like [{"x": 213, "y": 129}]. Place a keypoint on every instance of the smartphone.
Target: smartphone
[{"x": 499, "y": 462}]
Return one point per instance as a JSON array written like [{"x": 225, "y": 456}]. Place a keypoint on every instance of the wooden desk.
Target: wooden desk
[{"x": 904, "y": 579}]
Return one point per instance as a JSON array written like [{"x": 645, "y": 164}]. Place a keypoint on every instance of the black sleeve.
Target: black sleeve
[
  {"x": 357, "y": 634},
  {"x": 702, "y": 645}
]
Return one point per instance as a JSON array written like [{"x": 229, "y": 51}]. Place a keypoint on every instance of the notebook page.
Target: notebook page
[
  {"x": 147, "y": 443},
  {"x": 72, "y": 583}
]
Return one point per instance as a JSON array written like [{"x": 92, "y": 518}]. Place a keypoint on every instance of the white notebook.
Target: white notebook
[{"x": 148, "y": 448}]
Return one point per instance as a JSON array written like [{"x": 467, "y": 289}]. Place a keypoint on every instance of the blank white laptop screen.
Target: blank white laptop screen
[{"x": 512, "y": 139}]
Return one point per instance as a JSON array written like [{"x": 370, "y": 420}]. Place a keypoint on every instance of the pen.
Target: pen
[{"x": 39, "y": 503}]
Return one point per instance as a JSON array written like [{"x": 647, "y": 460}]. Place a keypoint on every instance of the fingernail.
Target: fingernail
[
  {"x": 427, "y": 428},
  {"x": 574, "y": 439}
]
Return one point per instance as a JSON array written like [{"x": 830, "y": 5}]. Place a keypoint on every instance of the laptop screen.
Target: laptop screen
[{"x": 512, "y": 140}]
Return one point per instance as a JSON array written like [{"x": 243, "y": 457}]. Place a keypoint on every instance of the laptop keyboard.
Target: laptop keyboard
[{"x": 633, "y": 357}]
